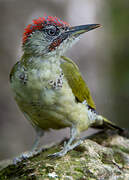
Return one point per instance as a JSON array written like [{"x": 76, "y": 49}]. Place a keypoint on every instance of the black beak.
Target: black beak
[{"x": 77, "y": 30}]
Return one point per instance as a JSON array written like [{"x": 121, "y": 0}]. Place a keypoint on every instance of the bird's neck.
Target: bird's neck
[{"x": 39, "y": 61}]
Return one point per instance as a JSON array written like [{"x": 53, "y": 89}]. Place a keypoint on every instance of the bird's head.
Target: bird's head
[{"x": 49, "y": 36}]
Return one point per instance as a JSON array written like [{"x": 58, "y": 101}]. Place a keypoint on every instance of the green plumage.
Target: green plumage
[
  {"x": 81, "y": 90},
  {"x": 76, "y": 82},
  {"x": 74, "y": 79},
  {"x": 49, "y": 88}
]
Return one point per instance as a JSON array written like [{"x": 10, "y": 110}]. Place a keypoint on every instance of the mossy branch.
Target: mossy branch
[{"x": 102, "y": 156}]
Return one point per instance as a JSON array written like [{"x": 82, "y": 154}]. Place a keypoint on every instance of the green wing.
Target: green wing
[{"x": 76, "y": 82}]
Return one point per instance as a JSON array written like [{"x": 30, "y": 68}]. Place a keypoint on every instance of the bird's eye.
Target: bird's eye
[{"x": 52, "y": 31}]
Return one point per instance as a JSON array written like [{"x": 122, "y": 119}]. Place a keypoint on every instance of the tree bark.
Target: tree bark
[{"x": 103, "y": 156}]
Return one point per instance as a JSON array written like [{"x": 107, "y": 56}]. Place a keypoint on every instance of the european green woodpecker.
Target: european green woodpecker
[{"x": 48, "y": 87}]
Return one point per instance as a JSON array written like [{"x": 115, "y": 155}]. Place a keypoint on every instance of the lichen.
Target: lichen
[{"x": 106, "y": 158}]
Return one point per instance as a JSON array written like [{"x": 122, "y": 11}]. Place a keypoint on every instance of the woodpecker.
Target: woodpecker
[{"x": 48, "y": 87}]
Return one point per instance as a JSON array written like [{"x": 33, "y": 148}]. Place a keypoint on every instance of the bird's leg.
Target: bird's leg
[
  {"x": 33, "y": 151},
  {"x": 68, "y": 146},
  {"x": 39, "y": 134}
]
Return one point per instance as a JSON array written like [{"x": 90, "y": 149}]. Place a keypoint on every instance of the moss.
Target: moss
[
  {"x": 119, "y": 158},
  {"x": 122, "y": 148},
  {"x": 106, "y": 158},
  {"x": 89, "y": 161}
]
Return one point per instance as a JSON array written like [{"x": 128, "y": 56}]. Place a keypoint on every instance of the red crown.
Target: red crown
[{"x": 39, "y": 23}]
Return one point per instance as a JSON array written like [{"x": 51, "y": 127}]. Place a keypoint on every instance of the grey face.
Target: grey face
[
  {"x": 52, "y": 39},
  {"x": 43, "y": 41}
]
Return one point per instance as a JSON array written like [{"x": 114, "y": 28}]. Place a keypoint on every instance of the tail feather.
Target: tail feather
[
  {"x": 111, "y": 125},
  {"x": 108, "y": 125},
  {"x": 103, "y": 123}
]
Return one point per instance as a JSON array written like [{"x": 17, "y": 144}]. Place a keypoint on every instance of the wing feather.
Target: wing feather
[{"x": 76, "y": 82}]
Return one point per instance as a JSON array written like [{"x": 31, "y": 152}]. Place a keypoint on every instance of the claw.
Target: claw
[
  {"x": 16, "y": 160},
  {"x": 24, "y": 156},
  {"x": 58, "y": 154},
  {"x": 66, "y": 149}
]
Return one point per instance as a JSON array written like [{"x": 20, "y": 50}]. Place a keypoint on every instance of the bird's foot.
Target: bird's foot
[
  {"x": 57, "y": 154},
  {"x": 24, "y": 156},
  {"x": 66, "y": 149}
]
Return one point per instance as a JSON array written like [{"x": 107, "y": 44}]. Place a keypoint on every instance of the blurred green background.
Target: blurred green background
[{"x": 102, "y": 55}]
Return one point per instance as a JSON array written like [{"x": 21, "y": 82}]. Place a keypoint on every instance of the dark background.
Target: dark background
[{"x": 102, "y": 55}]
